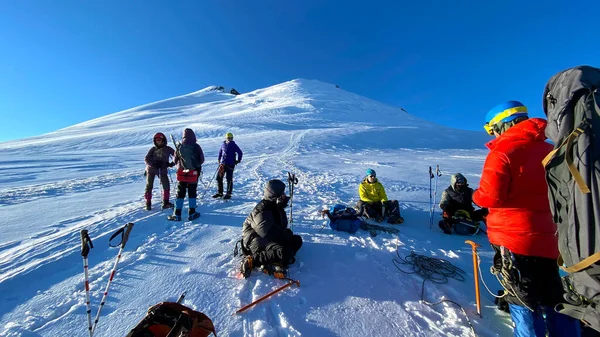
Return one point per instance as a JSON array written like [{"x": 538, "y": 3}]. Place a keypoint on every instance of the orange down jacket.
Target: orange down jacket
[{"x": 513, "y": 187}]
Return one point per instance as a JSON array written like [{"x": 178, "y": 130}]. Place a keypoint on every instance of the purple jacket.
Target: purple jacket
[
  {"x": 227, "y": 153},
  {"x": 157, "y": 159}
]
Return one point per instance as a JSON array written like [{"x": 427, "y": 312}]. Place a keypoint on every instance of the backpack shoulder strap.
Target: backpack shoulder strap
[{"x": 568, "y": 144}]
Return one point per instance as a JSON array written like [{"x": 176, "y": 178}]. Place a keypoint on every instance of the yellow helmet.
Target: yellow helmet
[{"x": 229, "y": 135}]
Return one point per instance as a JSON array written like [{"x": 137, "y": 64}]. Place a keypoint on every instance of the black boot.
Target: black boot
[
  {"x": 192, "y": 214},
  {"x": 166, "y": 204},
  {"x": 229, "y": 189},
  {"x": 148, "y": 205},
  {"x": 219, "y": 189}
]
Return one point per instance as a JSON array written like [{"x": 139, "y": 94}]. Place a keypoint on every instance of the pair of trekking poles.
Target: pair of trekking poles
[
  {"x": 433, "y": 194},
  {"x": 86, "y": 246}
]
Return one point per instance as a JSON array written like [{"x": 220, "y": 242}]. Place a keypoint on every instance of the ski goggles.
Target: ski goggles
[{"x": 489, "y": 129}]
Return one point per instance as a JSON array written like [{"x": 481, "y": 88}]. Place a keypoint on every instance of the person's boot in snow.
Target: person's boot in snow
[
  {"x": 246, "y": 267},
  {"x": 176, "y": 215}
]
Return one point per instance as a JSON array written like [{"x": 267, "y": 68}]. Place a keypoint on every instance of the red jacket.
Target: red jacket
[{"x": 513, "y": 187}]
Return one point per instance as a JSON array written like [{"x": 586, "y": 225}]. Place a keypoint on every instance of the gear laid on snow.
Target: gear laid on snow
[{"x": 167, "y": 319}]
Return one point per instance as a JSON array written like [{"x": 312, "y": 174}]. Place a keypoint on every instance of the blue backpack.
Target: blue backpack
[{"x": 343, "y": 218}]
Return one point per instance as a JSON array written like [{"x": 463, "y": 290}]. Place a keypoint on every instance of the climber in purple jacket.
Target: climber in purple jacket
[{"x": 227, "y": 161}]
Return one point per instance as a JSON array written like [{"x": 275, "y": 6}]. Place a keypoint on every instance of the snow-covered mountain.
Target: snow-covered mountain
[{"x": 90, "y": 175}]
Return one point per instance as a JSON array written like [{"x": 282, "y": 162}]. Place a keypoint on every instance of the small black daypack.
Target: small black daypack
[{"x": 571, "y": 104}]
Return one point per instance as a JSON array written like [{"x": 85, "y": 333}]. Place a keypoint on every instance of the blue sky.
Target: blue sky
[{"x": 67, "y": 61}]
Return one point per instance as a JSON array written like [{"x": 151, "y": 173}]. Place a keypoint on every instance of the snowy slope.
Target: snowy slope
[{"x": 90, "y": 176}]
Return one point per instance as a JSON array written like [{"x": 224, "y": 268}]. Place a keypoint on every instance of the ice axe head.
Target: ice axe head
[{"x": 473, "y": 244}]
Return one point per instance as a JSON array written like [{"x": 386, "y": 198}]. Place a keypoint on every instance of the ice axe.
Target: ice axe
[{"x": 475, "y": 274}]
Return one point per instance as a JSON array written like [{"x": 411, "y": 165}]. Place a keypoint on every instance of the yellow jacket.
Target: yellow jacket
[{"x": 371, "y": 192}]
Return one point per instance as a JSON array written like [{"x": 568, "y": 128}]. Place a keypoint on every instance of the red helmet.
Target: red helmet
[{"x": 160, "y": 136}]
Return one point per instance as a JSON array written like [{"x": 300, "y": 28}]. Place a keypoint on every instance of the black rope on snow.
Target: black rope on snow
[{"x": 435, "y": 270}]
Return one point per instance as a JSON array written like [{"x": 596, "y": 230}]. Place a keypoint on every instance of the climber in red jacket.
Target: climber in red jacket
[{"x": 520, "y": 226}]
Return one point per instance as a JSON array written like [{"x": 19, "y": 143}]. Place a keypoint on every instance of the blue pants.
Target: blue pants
[{"x": 535, "y": 324}]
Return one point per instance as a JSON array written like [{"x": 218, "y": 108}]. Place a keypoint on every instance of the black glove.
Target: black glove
[
  {"x": 171, "y": 164},
  {"x": 237, "y": 162}
]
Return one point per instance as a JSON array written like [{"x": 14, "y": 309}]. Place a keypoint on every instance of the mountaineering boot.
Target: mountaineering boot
[
  {"x": 227, "y": 196},
  {"x": 229, "y": 187},
  {"x": 246, "y": 267},
  {"x": 148, "y": 205},
  {"x": 166, "y": 204},
  {"x": 176, "y": 215},
  {"x": 192, "y": 214},
  {"x": 274, "y": 270},
  {"x": 219, "y": 189}
]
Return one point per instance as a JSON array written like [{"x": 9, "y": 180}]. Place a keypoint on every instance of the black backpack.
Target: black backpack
[{"x": 572, "y": 107}]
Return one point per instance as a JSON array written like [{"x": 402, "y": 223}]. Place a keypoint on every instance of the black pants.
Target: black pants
[
  {"x": 226, "y": 171},
  {"x": 536, "y": 280},
  {"x": 276, "y": 253},
  {"x": 164, "y": 181},
  {"x": 190, "y": 188},
  {"x": 375, "y": 209}
]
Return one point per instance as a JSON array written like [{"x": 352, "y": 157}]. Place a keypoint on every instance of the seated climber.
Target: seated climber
[
  {"x": 374, "y": 203},
  {"x": 457, "y": 201},
  {"x": 267, "y": 240}
]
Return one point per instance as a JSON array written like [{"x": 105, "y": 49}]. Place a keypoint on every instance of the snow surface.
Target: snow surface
[{"x": 90, "y": 176}]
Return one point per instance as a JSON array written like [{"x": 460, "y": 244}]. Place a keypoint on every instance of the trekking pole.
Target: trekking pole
[
  {"x": 248, "y": 306},
  {"x": 475, "y": 275},
  {"x": 292, "y": 180},
  {"x": 210, "y": 183},
  {"x": 430, "y": 199},
  {"x": 86, "y": 245},
  {"x": 438, "y": 174},
  {"x": 124, "y": 231}
]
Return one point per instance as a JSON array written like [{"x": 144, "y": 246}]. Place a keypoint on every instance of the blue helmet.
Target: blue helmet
[
  {"x": 503, "y": 113},
  {"x": 370, "y": 172}
]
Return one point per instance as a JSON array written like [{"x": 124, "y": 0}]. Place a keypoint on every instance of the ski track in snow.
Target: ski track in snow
[{"x": 348, "y": 283}]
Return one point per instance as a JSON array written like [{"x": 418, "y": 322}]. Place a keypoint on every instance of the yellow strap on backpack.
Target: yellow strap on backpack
[{"x": 568, "y": 142}]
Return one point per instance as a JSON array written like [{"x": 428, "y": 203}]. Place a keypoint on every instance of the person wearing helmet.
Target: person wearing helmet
[
  {"x": 458, "y": 197},
  {"x": 266, "y": 237},
  {"x": 157, "y": 163},
  {"x": 189, "y": 159},
  {"x": 520, "y": 225},
  {"x": 374, "y": 203},
  {"x": 227, "y": 162}
]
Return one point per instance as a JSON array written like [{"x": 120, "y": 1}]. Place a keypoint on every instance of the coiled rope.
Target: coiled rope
[{"x": 432, "y": 269}]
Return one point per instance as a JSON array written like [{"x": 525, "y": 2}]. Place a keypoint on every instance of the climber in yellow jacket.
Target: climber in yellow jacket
[{"x": 374, "y": 203}]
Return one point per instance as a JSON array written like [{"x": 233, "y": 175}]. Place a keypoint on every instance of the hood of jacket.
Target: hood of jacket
[
  {"x": 274, "y": 189},
  {"x": 189, "y": 137},
  {"x": 532, "y": 129},
  {"x": 456, "y": 177}
]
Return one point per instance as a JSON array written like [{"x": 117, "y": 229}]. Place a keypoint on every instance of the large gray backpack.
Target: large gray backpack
[{"x": 571, "y": 104}]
